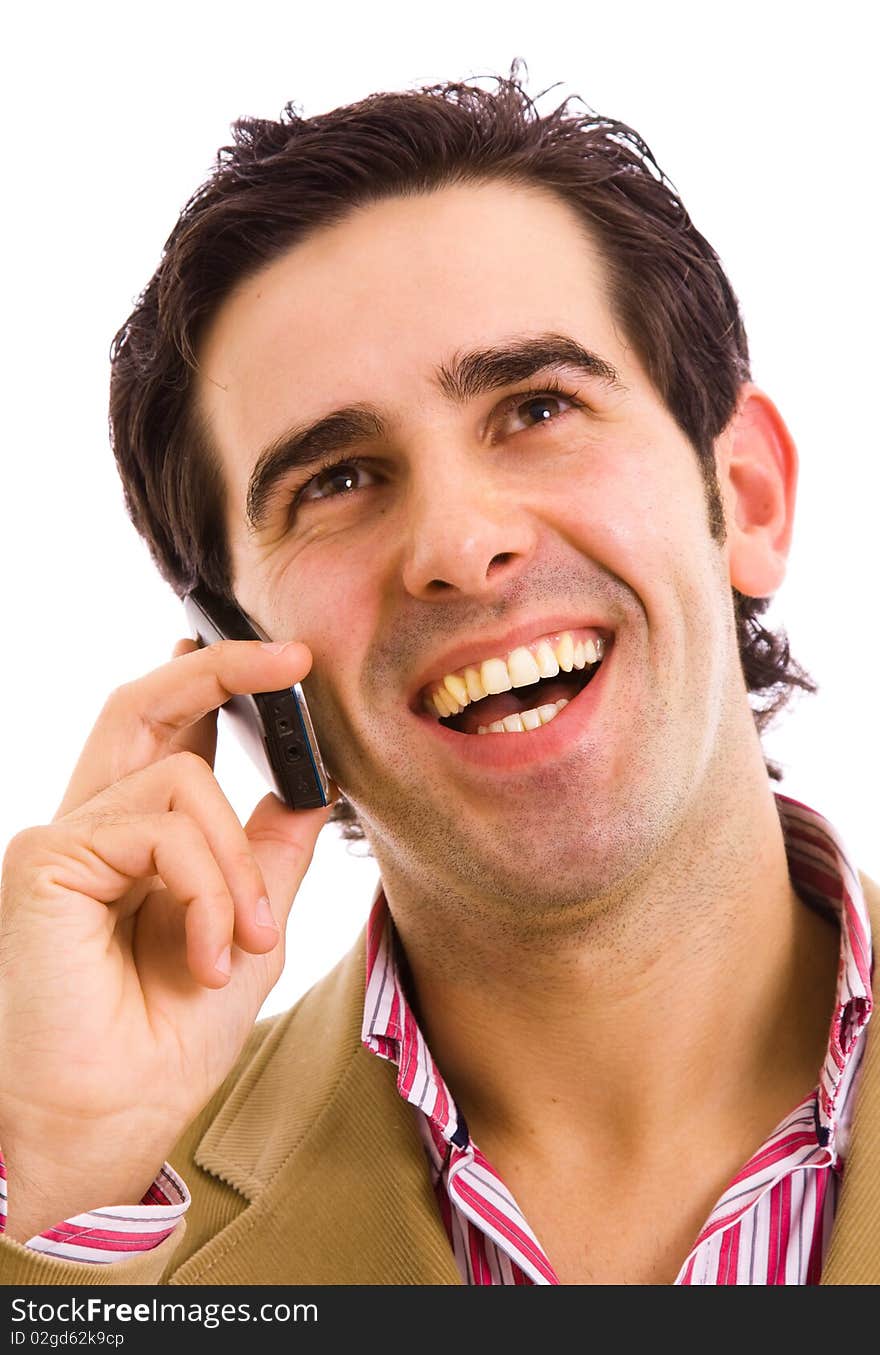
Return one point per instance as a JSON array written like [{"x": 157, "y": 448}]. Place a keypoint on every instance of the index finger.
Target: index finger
[{"x": 144, "y": 720}]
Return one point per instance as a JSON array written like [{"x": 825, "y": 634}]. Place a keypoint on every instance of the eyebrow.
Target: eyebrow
[{"x": 466, "y": 376}]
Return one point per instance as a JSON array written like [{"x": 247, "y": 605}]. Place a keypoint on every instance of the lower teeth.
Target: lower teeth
[{"x": 525, "y": 720}]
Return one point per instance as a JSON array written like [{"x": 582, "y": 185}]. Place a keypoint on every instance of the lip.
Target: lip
[
  {"x": 509, "y": 752},
  {"x": 485, "y": 646}
]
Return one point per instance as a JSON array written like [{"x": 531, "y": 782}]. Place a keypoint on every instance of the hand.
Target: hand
[{"x": 140, "y": 933}]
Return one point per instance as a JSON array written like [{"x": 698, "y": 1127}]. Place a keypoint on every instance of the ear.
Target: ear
[{"x": 757, "y": 465}]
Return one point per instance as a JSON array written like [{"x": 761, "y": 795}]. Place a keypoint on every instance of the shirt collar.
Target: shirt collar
[
  {"x": 826, "y": 879},
  {"x": 823, "y": 877}
]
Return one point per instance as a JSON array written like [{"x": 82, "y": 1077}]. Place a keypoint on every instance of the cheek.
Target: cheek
[
  {"x": 328, "y": 600},
  {"x": 609, "y": 508},
  {"x": 641, "y": 515}
]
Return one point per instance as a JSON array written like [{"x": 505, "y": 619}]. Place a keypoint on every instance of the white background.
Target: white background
[{"x": 762, "y": 114}]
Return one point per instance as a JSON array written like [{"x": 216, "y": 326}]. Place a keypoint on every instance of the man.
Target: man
[{"x": 454, "y": 401}]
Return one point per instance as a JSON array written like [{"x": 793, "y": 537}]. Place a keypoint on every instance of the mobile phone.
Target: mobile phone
[{"x": 275, "y": 728}]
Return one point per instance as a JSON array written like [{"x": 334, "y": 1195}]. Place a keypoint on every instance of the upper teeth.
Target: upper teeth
[{"x": 524, "y": 665}]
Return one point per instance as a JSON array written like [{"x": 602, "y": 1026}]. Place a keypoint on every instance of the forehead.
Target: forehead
[{"x": 369, "y": 309}]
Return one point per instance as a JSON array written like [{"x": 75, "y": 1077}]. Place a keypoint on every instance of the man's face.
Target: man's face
[{"x": 467, "y": 519}]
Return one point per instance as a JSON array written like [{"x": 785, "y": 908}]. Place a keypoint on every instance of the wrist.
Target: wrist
[{"x": 43, "y": 1192}]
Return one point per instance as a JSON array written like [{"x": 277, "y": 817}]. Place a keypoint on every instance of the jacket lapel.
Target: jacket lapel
[{"x": 317, "y": 1138}]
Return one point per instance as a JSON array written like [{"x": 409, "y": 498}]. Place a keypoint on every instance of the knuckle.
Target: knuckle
[
  {"x": 120, "y": 698},
  {"x": 189, "y": 766},
  {"x": 218, "y": 901},
  {"x": 31, "y": 866},
  {"x": 22, "y": 847},
  {"x": 242, "y": 860}
]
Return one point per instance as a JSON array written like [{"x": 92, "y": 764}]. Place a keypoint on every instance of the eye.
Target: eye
[
  {"x": 536, "y": 408},
  {"x": 335, "y": 481}
]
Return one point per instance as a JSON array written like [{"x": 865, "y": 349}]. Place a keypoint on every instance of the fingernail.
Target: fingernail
[
  {"x": 223, "y": 963},
  {"x": 276, "y": 646},
  {"x": 264, "y": 915}
]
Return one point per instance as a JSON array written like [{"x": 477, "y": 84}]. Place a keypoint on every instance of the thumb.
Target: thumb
[{"x": 283, "y": 841}]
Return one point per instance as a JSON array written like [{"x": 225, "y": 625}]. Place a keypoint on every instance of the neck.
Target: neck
[{"x": 700, "y": 995}]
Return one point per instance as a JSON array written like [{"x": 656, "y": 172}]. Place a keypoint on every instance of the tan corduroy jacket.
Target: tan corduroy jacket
[{"x": 307, "y": 1168}]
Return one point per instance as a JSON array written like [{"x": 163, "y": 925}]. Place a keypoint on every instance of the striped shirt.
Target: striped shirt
[{"x": 770, "y": 1226}]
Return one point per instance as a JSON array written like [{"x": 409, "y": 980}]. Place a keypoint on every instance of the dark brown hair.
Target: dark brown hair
[{"x": 281, "y": 180}]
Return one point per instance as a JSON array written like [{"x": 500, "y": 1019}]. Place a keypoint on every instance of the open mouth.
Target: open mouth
[
  {"x": 522, "y": 691},
  {"x": 527, "y": 708}
]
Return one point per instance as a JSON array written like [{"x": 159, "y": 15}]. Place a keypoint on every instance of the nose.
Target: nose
[{"x": 465, "y": 533}]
